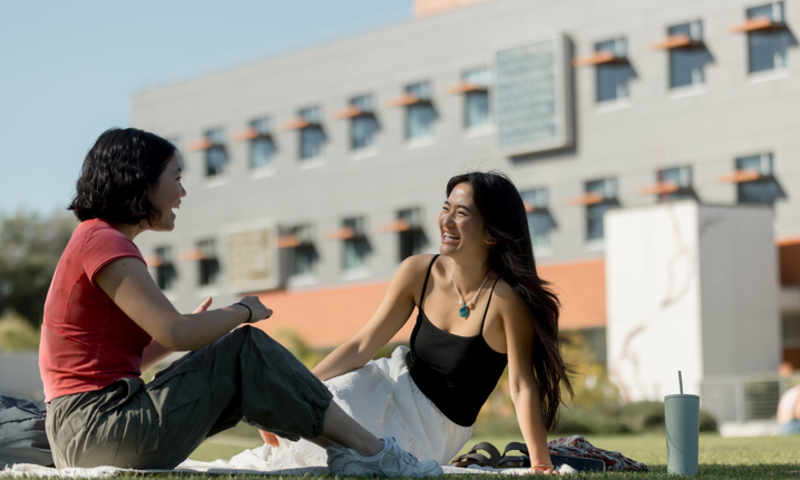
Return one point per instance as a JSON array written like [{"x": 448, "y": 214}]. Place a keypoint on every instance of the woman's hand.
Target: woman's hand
[
  {"x": 544, "y": 470},
  {"x": 259, "y": 311}
]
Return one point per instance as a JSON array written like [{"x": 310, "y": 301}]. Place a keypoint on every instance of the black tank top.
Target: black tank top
[{"x": 456, "y": 373}]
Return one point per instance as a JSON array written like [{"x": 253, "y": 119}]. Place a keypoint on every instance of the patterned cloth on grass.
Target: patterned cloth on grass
[{"x": 577, "y": 446}]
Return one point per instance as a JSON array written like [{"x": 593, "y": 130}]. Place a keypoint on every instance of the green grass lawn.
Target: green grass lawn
[{"x": 747, "y": 458}]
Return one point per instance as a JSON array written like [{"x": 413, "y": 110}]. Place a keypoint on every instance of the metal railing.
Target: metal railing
[{"x": 744, "y": 398}]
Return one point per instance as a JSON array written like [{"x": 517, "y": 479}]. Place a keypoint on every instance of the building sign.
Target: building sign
[
  {"x": 252, "y": 259},
  {"x": 532, "y": 88}
]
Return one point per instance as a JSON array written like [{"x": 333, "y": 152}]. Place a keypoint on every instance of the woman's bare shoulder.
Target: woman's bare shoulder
[
  {"x": 416, "y": 263},
  {"x": 509, "y": 303}
]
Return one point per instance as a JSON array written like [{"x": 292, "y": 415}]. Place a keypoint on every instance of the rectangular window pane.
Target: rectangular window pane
[
  {"x": 216, "y": 154},
  {"x": 356, "y": 249},
  {"x": 419, "y": 121},
  {"x": 607, "y": 188},
  {"x": 166, "y": 275},
  {"x": 363, "y": 132},
  {"x": 764, "y": 190},
  {"x": 687, "y": 65},
  {"x": 540, "y": 221},
  {"x": 476, "y": 108},
  {"x": 312, "y": 136},
  {"x": 613, "y": 78},
  {"x": 304, "y": 254},
  {"x": 209, "y": 265},
  {"x": 413, "y": 240},
  {"x": 767, "y": 49},
  {"x": 420, "y": 116},
  {"x": 262, "y": 150},
  {"x": 311, "y": 140},
  {"x": 304, "y": 259},
  {"x": 680, "y": 176},
  {"x": 476, "y": 112}
]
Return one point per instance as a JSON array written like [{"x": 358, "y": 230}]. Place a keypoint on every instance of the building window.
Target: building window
[
  {"x": 688, "y": 58},
  {"x": 166, "y": 275},
  {"x": 540, "y": 221},
  {"x": 216, "y": 152},
  {"x": 613, "y": 77},
  {"x": 410, "y": 236},
  {"x": 356, "y": 246},
  {"x": 208, "y": 263},
  {"x": 761, "y": 188},
  {"x": 363, "y": 124},
  {"x": 420, "y": 114},
  {"x": 676, "y": 184},
  {"x": 262, "y": 145},
  {"x": 767, "y": 46},
  {"x": 603, "y": 194},
  {"x": 476, "y": 98},
  {"x": 305, "y": 254},
  {"x": 312, "y": 136}
]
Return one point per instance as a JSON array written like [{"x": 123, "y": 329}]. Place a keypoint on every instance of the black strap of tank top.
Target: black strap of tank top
[
  {"x": 488, "y": 302},
  {"x": 427, "y": 276}
]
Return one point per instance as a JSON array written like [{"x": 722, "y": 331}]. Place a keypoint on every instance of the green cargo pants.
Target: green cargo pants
[{"x": 245, "y": 375}]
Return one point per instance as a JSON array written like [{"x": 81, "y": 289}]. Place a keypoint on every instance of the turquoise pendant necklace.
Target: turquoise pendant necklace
[{"x": 463, "y": 312}]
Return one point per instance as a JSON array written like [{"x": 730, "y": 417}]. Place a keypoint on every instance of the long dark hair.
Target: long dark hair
[
  {"x": 503, "y": 211},
  {"x": 116, "y": 176}
]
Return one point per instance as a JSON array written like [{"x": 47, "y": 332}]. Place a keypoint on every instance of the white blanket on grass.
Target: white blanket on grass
[{"x": 194, "y": 467}]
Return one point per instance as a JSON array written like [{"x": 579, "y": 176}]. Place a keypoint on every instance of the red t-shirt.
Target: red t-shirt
[{"x": 87, "y": 342}]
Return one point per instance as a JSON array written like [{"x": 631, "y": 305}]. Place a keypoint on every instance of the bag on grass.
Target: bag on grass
[{"x": 23, "y": 438}]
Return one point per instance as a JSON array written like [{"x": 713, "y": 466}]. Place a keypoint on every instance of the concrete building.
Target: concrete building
[{"x": 312, "y": 174}]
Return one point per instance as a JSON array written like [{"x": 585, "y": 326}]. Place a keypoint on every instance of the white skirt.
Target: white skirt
[{"x": 382, "y": 397}]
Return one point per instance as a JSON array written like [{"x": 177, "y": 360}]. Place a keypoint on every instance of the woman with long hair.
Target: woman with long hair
[
  {"x": 481, "y": 306},
  {"x": 106, "y": 320}
]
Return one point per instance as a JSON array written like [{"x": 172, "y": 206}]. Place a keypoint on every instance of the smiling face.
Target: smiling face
[
  {"x": 165, "y": 195},
  {"x": 462, "y": 227}
]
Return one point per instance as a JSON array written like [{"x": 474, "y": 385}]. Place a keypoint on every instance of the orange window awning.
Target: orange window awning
[
  {"x": 342, "y": 233},
  {"x": 597, "y": 58},
  {"x": 465, "y": 87},
  {"x": 675, "y": 41},
  {"x": 395, "y": 226},
  {"x": 192, "y": 255},
  {"x": 350, "y": 111},
  {"x": 197, "y": 145},
  {"x": 404, "y": 100},
  {"x": 756, "y": 25},
  {"x": 586, "y": 199},
  {"x": 288, "y": 241},
  {"x": 247, "y": 134},
  {"x": 659, "y": 188},
  {"x": 153, "y": 260},
  {"x": 295, "y": 124},
  {"x": 739, "y": 176}
]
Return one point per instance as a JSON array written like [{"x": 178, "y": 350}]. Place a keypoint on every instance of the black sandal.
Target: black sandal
[
  {"x": 472, "y": 457},
  {"x": 515, "y": 461}
]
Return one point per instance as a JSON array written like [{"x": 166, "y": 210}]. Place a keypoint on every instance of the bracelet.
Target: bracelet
[
  {"x": 249, "y": 311},
  {"x": 543, "y": 466}
]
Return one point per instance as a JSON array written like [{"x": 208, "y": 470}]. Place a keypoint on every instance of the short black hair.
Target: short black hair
[{"x": 117, "y": 173}]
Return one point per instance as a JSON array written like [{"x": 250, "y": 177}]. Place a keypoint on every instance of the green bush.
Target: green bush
[{"x": 17, "y": 334}]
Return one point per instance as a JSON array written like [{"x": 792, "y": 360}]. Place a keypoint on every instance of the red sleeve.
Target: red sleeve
[{"x": 102, "y": 247}]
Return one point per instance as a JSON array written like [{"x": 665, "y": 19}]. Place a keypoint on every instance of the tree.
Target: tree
[{"x": 30, "y": 247}]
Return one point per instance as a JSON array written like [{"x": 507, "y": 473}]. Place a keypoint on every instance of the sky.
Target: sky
[{"x": 68, "y": 69}]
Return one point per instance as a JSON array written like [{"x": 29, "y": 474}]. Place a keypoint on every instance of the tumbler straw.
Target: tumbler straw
[{"x": 680, "y": 381}]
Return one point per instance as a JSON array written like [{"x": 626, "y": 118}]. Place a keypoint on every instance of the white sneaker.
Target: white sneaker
[{"x": 392, "y": 461}]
